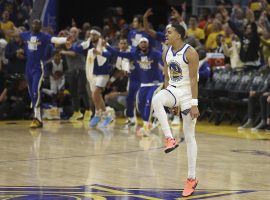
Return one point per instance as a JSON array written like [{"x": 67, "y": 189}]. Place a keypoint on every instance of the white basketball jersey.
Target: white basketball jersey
[{"x": 178, "y": 66}]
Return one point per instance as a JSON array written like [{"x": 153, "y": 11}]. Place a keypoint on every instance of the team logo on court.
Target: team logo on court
[
  {"x": 175, "y": 71},
  {"x": 101, "y": 192}
]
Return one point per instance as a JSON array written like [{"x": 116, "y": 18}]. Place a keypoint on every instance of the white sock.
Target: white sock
[
  {"x": 99, "y": 113},
  {"x": 189, "y": 133},
  {"x": 37, "y": 113},
  {"x": 161, "y": 99},
  {"x": 132, "y": 119}
]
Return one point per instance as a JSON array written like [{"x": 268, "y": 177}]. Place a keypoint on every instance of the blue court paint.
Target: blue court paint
[{"x": 104, "y": 192}]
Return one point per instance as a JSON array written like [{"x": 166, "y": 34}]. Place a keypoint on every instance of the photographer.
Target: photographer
[{"x": 14, "y": 99}]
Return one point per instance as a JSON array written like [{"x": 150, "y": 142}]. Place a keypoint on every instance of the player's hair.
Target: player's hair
[
  {"x": 180, "y": 29},
  {"x": 140, "y": 18},
  {"x": 38, "y": 21},
  {"x": 96, "y": 28},
  {"x": 56, "y": 51},
  {"x": 123, "y": 38}
]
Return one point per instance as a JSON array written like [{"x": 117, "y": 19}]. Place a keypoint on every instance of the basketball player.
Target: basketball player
[
  {"x": 181, "y": 82},
  {"x": 36, "y": 43},
  {"x": 134, "y": 37},
  {"x": 98, "y": 69},
  {"x": 146, "y": 61}
]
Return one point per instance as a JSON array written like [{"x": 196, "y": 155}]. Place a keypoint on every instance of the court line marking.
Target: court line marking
[{"x": 84, "y": 156}]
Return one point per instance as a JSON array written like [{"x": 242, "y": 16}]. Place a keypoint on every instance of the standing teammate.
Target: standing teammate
[
  {"x": 146, "y": 61},
  {"x": 181, "y": 82},
  {"x": 134, "y": 37},
  {"x": 98, "y": 69},
  {"x": 36, "y": 43}
]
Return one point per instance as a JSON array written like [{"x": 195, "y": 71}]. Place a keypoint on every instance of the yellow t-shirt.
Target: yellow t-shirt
[
  {"x": 7, "y": 26},
  {"x": 211, "y": 42},
  {"x": 228, "y": 41},
  {"x": 255, "y": 6},
  {"x": 198, "y": 33}
]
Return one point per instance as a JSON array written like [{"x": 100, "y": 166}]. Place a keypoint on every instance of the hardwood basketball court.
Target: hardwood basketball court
[{"x": 68, "y": 160}]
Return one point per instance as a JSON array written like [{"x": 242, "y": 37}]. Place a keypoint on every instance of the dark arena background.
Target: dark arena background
[{"x": 94, "y": 12}]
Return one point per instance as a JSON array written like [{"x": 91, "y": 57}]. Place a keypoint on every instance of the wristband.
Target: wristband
[{"x": 194, "y": 102}]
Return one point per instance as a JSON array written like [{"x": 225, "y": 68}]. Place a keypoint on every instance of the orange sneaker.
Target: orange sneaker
[
  {"x": 190, "y": 186},
  {"x": 170, "y": 144}
]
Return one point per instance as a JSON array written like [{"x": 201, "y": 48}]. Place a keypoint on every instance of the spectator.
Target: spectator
[
  {"x": 3, "y": 44},
  {"x": 250, "y": 41},
  {"x": 193, "y": 29},
  {"x": 211, "y": 42},
  {"x": 76, "y": 78},
  {"x": 14, "y": 99},
  {"x": 57, "y": 68},
  {"x": 259, "y": 91},
  {"x": 204, "y": 67},
  {"x": 85, "y": 27},
  {"x": 233, "y": 53},
  {"x": 116, "y": 98},
  {"x": 6, "y": 25},
  {"x": 15, "y": 53}
]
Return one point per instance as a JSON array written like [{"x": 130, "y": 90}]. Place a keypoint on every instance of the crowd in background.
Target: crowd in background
[{"x": 232, "y": 40}]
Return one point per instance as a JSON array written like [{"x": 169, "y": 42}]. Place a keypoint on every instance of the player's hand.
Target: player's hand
[
  {"x": 252, "y": 93},
  {"x": 104, "y": 43},
  {"x": 175, "y": 110},
  {"x": 148, "y": 13},
  {"x": 268, "y": 99},
  {"x": 194, "y": 112},
  {"x": 250, "y": 15},
  {"x": 69, "y": 42},
  {"x": 96, "y": 52},
  {"x": 176, "y": 14}
]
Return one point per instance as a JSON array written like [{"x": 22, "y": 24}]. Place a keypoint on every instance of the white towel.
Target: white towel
[
  {"x": 123, "y": 63},
  {"x": 91, "y": 57}
]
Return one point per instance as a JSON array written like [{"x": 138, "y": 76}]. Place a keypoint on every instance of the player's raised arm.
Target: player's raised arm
[
  {"x": 59, "y": 40},
  {"x": 146, "y": 27}
]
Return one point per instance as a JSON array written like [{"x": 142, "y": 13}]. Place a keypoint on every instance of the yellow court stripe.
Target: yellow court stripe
[
  {"x": 133, "y": 195},
  {"x": 117, "y": 192},
  {"x": 36, "y": 187},
  {"x": 5, "y": 197},
  {"x": 230, "y": 131},
  {"x": 109, "y": 190}
]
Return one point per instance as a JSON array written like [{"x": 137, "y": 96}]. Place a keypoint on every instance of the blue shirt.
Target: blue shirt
[
  {"x": 36, "y": 44},
  {"x": 105, "y": 69},
  {"x": 134, "y": 36},
  {"x": 147, "y": 64}
]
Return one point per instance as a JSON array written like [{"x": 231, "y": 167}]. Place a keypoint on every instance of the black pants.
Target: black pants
[
  {"x": 265, "y": 107},
  {"x": 77, "y": 86}
]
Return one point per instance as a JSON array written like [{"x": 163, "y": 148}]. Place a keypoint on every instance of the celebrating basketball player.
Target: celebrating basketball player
[
  {"x": 181, "y": 89},
  {"x": 36, "y": 43}
]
